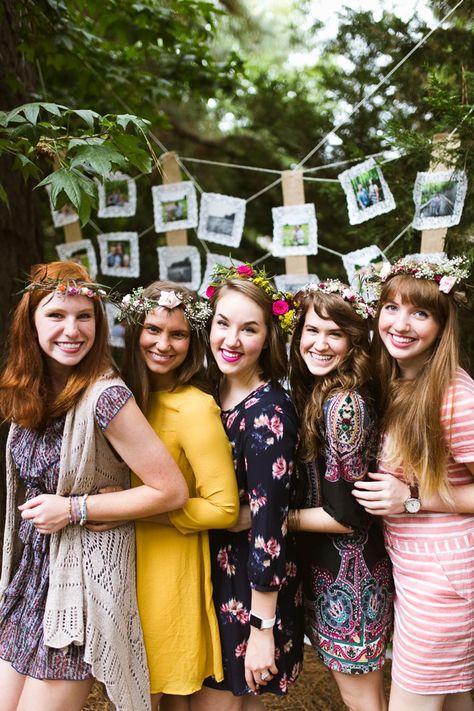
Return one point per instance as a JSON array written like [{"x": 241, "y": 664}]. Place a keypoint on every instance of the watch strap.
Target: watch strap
[{"x": 260, "y": 623}]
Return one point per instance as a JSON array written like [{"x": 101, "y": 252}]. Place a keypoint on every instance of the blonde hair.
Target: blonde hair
[
  {"x": 309, "y": 392},
  {"x": 411, "y": 408}
]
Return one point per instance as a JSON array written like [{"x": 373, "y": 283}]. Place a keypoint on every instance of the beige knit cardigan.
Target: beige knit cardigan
[{"x": 92, "y": 596}]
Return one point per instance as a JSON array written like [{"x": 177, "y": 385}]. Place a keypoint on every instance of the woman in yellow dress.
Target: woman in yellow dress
[{"x": 165, "y": 345}]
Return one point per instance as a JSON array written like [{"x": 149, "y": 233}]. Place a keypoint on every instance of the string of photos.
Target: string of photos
[{"x": 438, "y": 196}]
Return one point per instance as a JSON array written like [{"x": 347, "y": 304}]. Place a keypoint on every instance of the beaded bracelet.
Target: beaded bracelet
[
  {"x": 78, "y": 510},
  {"x": 83, "y": 520}
]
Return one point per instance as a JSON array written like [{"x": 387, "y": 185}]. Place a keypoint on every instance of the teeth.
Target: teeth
[
  {"x": 401, "y": 339},
  {"x": 69, "y": 346},
  {"x": 158, "y": 356},
  {"x": 317, "y": 356}
]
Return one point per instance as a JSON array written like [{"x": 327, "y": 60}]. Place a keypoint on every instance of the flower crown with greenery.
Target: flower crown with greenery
[
  {"x": 133, "y": 306},
  {"x": 334, "y": 286},
  {"x": 446, "y": 273},
  {"x": 70, "y": 287},
  {"x": 283, "y": 306}
]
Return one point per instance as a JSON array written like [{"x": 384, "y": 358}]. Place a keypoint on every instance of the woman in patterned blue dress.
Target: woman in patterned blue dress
[
  {"x": 348, "y": 586},
  {"x": 257, "y": 593},
  {"x": 68, "y": 611}
]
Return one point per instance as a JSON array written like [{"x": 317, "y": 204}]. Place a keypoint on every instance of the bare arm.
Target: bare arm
[
  {"x": 136, "y": 443},
  {"x": 316, "y": 520}
]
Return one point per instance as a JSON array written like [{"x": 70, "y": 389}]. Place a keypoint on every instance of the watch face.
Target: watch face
[{"x": 412, "y": 506}]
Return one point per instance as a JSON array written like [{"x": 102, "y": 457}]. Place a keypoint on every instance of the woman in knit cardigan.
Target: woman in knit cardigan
[{"x": 68, "y": 612}]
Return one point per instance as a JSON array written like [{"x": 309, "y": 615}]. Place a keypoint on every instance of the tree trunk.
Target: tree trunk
[{"x": 19, "y": 225}]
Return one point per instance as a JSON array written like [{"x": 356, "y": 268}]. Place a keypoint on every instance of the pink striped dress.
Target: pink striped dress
[{"x": 433, "y": 569}]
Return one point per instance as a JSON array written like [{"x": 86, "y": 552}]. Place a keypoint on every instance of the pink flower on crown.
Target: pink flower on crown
[
  {"x": 385, "y": 270},
  {"x": 73, "y": 291},
  {"x": 210, "y": 291},
  {"x": 446, "y": 284},
  {"x": 245, "y": 270},
  {"x": 280, "y": 307},
  {"x": 169, "y": 300},
  {"x": 348, "y": 295}
]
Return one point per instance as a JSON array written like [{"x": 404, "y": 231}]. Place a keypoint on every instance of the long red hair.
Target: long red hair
[{"x": 25, "y": 395}]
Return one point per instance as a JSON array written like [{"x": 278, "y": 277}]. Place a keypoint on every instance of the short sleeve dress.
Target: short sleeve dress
[
  {"x": 263, "y": 432},
  {"x": 432, "y": 556},
  {"x": 36, "y": 455},
  {"x": 348, "y": 586}
]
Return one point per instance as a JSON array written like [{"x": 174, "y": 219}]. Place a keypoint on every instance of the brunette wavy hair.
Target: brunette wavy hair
[
  {"x": 309, "y": 392},
  {"x": 190, "y": 372},
  {"x": 273, "y": 359},
  {"x": 25, "y": 391},
  {"x": 411, "y": 408}
]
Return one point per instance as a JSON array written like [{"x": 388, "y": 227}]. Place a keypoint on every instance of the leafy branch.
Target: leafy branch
[{"x": 80, "y": 144}]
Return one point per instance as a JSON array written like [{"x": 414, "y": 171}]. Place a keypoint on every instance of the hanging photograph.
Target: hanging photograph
[
  {"x": 180, "y": 264},
  {"x": 439, "y": 199},
  {"x": 360, "y": 263},
  {"x": 294, "y": 230},
  {"x": 175, "y": 206},
  {"x": 367, "y": 192},
  {"x": 65, "y": 215},
  {"x": 117, "y": 196},
  {"x": 221, "y": 219},
  {"x": 211, "y": 260},
  {"x": 116, "y": 327},
  {"x": 82, "y": 252},
  {"x": 293, "y": 282},
  {"x": 119, "y": 254}
]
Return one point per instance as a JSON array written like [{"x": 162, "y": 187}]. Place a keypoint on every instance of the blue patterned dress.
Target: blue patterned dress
[
  {"x": 348, "y": 586},
  {"x": 36, "y": 454},
  {"x": 263, "y": 432}
]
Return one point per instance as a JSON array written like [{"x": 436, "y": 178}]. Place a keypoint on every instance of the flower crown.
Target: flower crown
[
  {"x": 334, "y": 286},
  {"x": 283, "y": 306},
  {"x": 446, "y": 273},
  {"x": 135, "y": 305},
  {"x": 69, "y": 288}
]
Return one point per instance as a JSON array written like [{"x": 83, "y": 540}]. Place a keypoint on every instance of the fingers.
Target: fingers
[
  {"x": 259, "y": 677},
  {"x": 30, "y": 504}
]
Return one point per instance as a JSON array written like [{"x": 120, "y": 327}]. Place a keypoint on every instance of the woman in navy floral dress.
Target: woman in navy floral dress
[
  {"x": 257, "y": 591},
  {"x": 348, "y": 585}
]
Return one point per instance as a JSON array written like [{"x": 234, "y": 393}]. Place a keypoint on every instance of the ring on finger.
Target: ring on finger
[{"x": 264, "y": 675}]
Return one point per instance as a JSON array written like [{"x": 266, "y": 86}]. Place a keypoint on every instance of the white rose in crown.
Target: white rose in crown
[
  {"x": 169, "y": 300},
  {"x": 385, "y": 271},
  {"x": 446, "y": 284}
]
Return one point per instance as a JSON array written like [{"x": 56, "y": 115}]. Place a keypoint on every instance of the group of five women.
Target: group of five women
[{"x": 257, "y": 517}]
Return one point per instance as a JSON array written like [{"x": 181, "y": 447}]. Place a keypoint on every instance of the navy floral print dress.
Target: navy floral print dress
[
  {"x": 263, "y": 432},
  {"x": 348, "y": 586}
]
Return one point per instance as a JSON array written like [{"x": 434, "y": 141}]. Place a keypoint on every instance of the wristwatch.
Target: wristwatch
[
  {"x": 413, "y": 504},
  {"x": 260, "y": 623}
]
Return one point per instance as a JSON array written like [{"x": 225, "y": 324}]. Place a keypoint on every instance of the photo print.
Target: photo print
[
  {"x": 221, "y": 219},
  {"x": 116, "y": 327},
  {"x": 294, "y": 230},
  {"x": 439, "y": 199},
  {"x": 64, "y": 215},
  {"x": 293, "y": 282},
  {"x": 117, "y": 196},
  {"x": 81, "y": 252},
  {"x": 180, "y": 264},
  {"x": 119, "y": 254},
  {"x": 367, "y": 192},
  {"x": 360, "y": 263},
  {"x": 211, "y": 260},
  {"x": 175, "y": 206}
]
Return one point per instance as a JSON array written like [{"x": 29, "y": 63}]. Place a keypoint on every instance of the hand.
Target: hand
[
  {"x": 260, "y": 664},
  {"x": 48, "y": 512},
  {"x": 244, "y": 522},
  {"x": 383, "y": 496}
]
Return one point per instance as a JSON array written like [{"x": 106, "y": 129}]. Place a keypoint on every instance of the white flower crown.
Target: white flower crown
[
  {"x": 334, "y": 286},
  {"x": 133, "y": 306},
  {"x": 446, "y": 273}
]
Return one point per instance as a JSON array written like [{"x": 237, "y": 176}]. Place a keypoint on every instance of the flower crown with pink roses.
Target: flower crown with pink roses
[
  {"x": 446, "y": 273},
  {"x": 70, "y": 288},
  {"x": 134, "y": 306},
  {"x": 283, "y": 304},
  {"x": 334, "y": 286}
]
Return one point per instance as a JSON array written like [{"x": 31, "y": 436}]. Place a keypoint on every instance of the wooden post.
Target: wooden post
[
  {"x": 172, "y": 174},
  {"x": 433, "y": 240},
  {"x": 293, "y": 194}
]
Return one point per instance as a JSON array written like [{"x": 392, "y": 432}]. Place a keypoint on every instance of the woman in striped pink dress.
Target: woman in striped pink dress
[{"x": 424, "y": 486}]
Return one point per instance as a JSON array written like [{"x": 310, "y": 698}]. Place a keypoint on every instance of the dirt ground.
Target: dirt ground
[{"x": 315, "y": 690}]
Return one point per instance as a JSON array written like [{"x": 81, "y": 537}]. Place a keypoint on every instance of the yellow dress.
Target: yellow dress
[{"x": 173, "y": 562}]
